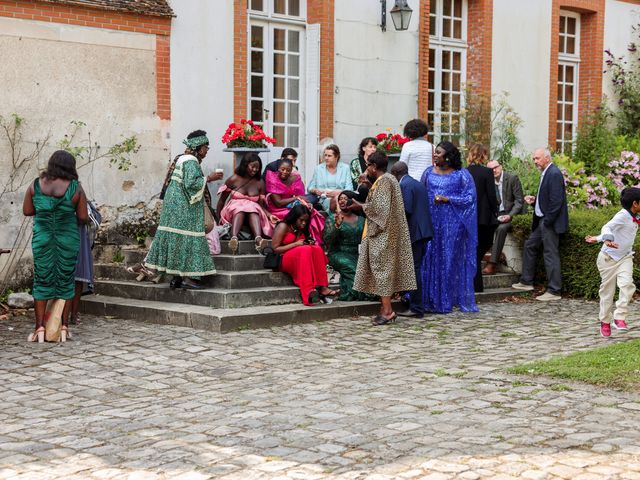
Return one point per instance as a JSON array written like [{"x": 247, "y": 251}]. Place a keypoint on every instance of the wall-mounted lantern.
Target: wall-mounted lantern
[{"x": 400, "y": 14}]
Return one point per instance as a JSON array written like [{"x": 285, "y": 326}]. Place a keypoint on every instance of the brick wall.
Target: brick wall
[
  {"x": 107, "y": 19},
  {"x": 423, "y": 59},
  {"x": 591, "y": 57},
  {"x": 240, "y": 67}
]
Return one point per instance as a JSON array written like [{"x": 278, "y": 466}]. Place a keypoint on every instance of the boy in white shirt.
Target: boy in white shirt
[{"x": 615, "y": 262}]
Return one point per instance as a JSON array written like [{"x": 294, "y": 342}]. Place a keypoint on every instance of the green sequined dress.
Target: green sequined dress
[
  {"x": 342, "y": 250},
  {"x": 180, "y": 246},
  {"x": 55, "y": 244}
]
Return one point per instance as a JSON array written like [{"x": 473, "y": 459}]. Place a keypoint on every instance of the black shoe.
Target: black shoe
[
  {"x": 380, "y": 320},
  {"x": 176, "y": 282},
  {"x": 191, "y": 285},
  {"x": 410, "y": 313}
]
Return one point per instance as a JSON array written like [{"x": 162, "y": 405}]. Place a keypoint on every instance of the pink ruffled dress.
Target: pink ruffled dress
[{"x": 239, "y": 202}]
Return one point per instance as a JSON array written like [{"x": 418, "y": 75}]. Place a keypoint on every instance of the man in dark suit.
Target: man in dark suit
[
  {"x": 550, "y": 219},
  {"x": 414, "y": 196},
  {"x": 487, "y": 207},
  {"x": 510, "y": 203},
  {"x": 289, "y": 154}
]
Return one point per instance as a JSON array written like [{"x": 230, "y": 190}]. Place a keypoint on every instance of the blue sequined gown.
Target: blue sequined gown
[{"x": 449, "y": 263}]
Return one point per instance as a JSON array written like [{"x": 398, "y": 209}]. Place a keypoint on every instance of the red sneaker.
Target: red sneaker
[
  {"x": 620, "y": 325},
  {"x": 605, "y": 329}
]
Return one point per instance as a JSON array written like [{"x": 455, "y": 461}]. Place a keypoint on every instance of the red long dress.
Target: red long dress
[{"x": 307, "y": 266}]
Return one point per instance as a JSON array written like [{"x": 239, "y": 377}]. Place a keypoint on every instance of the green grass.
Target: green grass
[{"x": 614, "y": 366}]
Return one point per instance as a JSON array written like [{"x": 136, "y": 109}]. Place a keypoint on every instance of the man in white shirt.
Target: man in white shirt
[
  {"x": 615, "y": 262},
  {"x": 417, "y": 153}
]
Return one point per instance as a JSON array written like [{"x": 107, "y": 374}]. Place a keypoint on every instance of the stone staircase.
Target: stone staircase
[{"x": 241, "y": 295}]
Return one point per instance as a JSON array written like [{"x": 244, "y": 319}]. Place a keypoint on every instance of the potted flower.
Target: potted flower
[
  {"x": 246, "y": 136},
  {"x": 391, "y": 143}
]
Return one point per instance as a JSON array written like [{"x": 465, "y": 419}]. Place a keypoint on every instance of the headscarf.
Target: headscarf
[{"x": 196, "y": 142}]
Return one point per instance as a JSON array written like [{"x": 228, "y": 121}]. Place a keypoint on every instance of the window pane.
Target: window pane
[
  {"x": 279, "y": 6},
  {"x": 256, "y": 5},
  {"x": 278, "y": 134},
  {"x": 457, "y": 8},
  {"x": 432, "y": 81},
  {"x": 568, "y": 112},
  {"x": 455, "y": 103},
  {"x": 278, "y": 88},
  {"x": 432, "y": 23},
  {"x": 447, "y": 7},
  {"x": 433, "y": 7},
  {"x": 571, "y": 25},
  {"x": 560, "y": 73},
  {"x": 446, "y": 105},
  {"x": 278, "y": 112},
  {"x": 431, "y": 100},
  {"x": 446, "y": 81},
  {"x": 294, "y": 65},
  {"x": 294, "y": 89},
  {"x": 571, "y": 45},
  {"x": 455, "y": 82},
  {"x": 278, "y": 39},
  {"x": 568, "y": 75},
  {"x": 256, "y": 110},
  {"x": 294, "y": 8},
  {"x": 256, "y": 86},
  {"x": 568, "y": 93},
  {"x": 446, "y": 27},
  {"x": 559, "y": 112},
  {"x": 278, "y": 63},
  {"x": 457, "y": 29},
  {"x": 293, "y": 137},
  {"x": 561, "y": 46},
  {"x": 294, "y": 41},
  {"x": 568, "y": 131},
  {"x": 256, "y": 62},
  {"x": 293, "y": 113},
  {"x": 432, "y": 58},
  {"x": 457, "y": 61},
  {"x": 563, "y": 25},
  {"x": 446, "y": 60},
  {"x": 560, "y": 90},
  {"x": 256, "y": 37}
]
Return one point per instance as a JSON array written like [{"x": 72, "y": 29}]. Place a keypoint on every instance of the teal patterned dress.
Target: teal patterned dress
[
  {"x": 342, "y": 250},
  {"x": 55, "y": 244},
  {"x": 180, "y": 246}
]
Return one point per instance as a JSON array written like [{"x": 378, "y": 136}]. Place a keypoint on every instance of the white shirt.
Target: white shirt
[
  {"x": 622, "y": 230},
  {"x": 499, "y": 185},
  {"x": 537, "y": 208},
  {"x": 418, "y": 155}
]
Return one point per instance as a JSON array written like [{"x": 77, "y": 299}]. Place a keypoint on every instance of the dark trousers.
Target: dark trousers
[
  {"x": 500, "y": 238},
  {"x": 415, "y": 297},
  {"x": 550, "y": 241},
  {"x": 485, "y": 240}
]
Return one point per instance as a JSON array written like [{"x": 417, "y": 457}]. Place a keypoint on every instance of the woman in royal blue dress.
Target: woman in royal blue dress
[{"x": 449, "y": 263}]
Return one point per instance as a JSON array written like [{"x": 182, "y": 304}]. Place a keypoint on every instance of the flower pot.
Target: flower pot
[
  {"x": 393, "y": 158},
  {"x": 240, "y": 152}
]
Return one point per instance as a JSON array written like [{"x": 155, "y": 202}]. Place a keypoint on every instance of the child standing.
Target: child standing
[{"x": 615, "y": 262}]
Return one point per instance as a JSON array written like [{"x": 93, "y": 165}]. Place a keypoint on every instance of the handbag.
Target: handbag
[
  {"x": 209, "y": 222},
  {"x": 272, "y": 260}
]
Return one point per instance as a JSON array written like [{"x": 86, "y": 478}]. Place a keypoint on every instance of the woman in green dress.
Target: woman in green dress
[
  {"x": 342, "y": 235},
  {"x": 180, "y": 247},
  {"x": 58, "y": 203}
]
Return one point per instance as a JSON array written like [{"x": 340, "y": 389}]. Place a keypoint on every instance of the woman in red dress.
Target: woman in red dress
[{"x": 301, "y": 257}]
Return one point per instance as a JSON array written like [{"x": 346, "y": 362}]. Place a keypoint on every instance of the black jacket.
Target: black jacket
[{"x": 487, "y": 201}]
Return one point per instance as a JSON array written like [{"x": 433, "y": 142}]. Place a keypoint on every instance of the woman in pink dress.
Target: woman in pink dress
[
  {"x": 286, "y": 190},
  {"x": 301, "y": 257},
  {"x": 242, "y": 199}
]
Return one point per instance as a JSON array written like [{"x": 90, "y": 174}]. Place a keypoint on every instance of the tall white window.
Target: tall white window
[
  {"x": 447, "y": 67},
  {"x": 568, "y": 74},
  {"x": 276, "y": 38}
]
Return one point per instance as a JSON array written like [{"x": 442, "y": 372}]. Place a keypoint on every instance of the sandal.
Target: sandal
[
  {"x": 233, "y": 245},
  {"x": 36, "y": 336},
  {"x": 261, "y": 244},
  {"x": 64, "y": 333},
  {"x": 382, "y": 320},
  {"x": 331, "y": 292}
]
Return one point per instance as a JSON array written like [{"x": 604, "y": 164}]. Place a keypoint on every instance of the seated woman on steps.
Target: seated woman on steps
[
  {"x": 301, "y": 257},
  {"x": 286, "y": 190},
  {"x": 244, "y": 195}
]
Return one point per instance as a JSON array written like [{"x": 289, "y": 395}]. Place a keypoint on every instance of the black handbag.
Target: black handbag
[{"x": 272, "y": 260}]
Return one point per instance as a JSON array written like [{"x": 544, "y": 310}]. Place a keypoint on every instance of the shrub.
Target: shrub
[
  {"x": 580, "y": 276},
  {"x": 625, "y": 171},
  {"x": 526, "y": 171},
  {"x": 595, "y": 142},
  {"x": 584, "y": 190}
]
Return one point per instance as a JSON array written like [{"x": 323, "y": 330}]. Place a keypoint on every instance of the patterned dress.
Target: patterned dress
[
  {"x": 55, "y": 244},
  {"x": 385, "y": 265},
  {"x": 180, "y": 246},
  {"x": 449, "y": 263},
  {"x": 342, "y": 249}
]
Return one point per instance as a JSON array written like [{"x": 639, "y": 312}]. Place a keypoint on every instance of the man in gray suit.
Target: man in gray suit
[{"x": 511, "y": 202}]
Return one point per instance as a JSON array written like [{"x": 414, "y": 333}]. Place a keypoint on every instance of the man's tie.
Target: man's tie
[{"x": 498, "y": 196}]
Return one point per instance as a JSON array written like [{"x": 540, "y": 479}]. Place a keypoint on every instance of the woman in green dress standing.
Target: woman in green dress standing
[
  {"x": 58, "y": 203},
  {"x": 180, "y": 247},
  {"x": 342, "y": 236}
]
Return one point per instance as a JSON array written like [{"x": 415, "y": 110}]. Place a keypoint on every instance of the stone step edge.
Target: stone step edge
[
  {"x": 165, "y": 285},
  {"x": 222, "y": 320}
]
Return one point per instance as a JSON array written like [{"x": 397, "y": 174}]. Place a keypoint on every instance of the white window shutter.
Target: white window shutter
[{"x": 312, "y": 102}]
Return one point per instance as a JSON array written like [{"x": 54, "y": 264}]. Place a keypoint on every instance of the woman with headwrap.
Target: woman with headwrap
[{"x": 180, "y": 247}]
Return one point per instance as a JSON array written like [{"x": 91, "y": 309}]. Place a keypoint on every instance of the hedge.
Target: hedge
[{"x": 580, "y": 277}]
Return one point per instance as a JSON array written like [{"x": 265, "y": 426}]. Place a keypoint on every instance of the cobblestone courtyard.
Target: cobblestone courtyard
[{"x": 341, "y": 399}]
